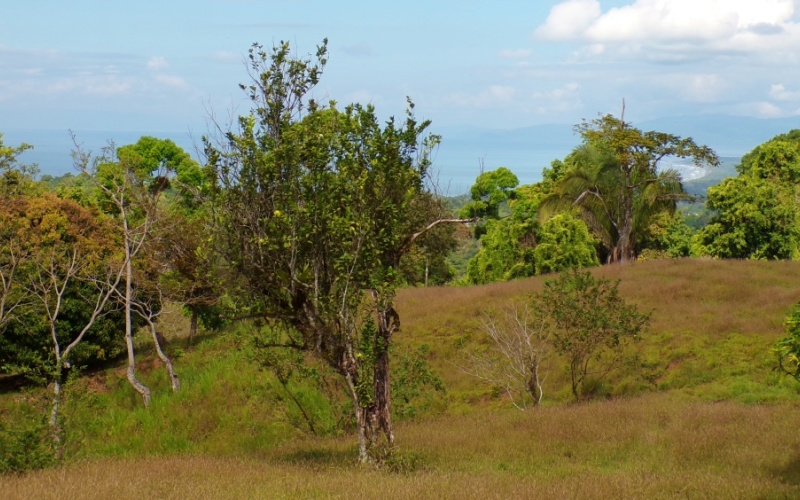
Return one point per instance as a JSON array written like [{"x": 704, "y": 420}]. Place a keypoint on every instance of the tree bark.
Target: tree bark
[
  {"x": 131, "y": 371},
  {"x": 193, "y": 325},
  {"x": 351, "y": 377},
  {"x": 534, "y": 383},
  {"x": 173, "y": 377},
  {"x": 55, "y": 425}
]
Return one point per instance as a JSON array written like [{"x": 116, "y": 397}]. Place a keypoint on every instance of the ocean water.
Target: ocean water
[{"x": 459, "y": 159}]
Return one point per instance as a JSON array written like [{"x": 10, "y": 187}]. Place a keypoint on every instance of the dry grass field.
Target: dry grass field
[{"x": 701, "y": 414}]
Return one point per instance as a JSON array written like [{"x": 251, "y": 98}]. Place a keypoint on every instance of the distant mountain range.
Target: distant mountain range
[{"x": 526, "y": 151}]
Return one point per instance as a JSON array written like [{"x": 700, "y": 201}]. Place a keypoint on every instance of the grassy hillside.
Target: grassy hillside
[{"x": 699, "y": 412}]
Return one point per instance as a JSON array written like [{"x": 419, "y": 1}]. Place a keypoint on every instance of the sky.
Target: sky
[{"x": 172, "y": 65}]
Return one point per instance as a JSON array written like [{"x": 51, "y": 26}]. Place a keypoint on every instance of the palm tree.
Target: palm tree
[{"x": 616, "y": 195}]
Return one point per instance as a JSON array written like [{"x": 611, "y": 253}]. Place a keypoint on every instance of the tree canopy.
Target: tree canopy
[
  {"x": 756, "y": 212},
  {"x": 615, "y": 181}
]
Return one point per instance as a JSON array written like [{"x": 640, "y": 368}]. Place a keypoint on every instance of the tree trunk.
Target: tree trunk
[
  {"x": 350, "y": 376},
  {"x": 55, "y": 425},
  {"x": 131, "y": 372},
  {"x": 623, "y": 250},
  {"x": 193, "y": 325},
  {"x": 380, "y": 412},
  {"x": 534, "y": 383},
  {"x": 173, "y": 377}
]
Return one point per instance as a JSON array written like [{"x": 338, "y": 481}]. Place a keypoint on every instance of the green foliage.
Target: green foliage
[
  {"x": 591, "y": 325},
  {"x": 787, "y": 348},
  {"x": 755, "y": 219},
  {"x": 615, "y": 180},
  {"x": 317, "y": 207},
  {"x": 564, "y": 243},
  {"x": 25, "y": 442},
  {"x": 507, "y": 244},
  {"x": 16, "y": 178},
  {"x": 506, "y": 253},
  {"x": 47, "y": 240},
  {"x": 756, "y": 212},
  {"x": 416, "y": 385},
  {"x": 489, "y": 191},
  {"x": 668, "y": 235}
]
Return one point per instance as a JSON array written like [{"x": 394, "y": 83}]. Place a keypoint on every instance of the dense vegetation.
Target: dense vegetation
[{"x": 270, "y": 281}]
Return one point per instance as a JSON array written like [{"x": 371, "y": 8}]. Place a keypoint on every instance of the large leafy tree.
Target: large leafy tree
[
  {"x": 69, "y": 271},
  {"x": 317, "y": 206},
  {"x": 15, "y": 177},
  {"x": 756, "y": 212},
  {"x": 615, "y": 181}
]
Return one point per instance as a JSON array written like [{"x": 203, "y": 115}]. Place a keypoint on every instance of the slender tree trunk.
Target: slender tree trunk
[
  {"x": 55, "y": 424},
  {"x": 131, "y": 372},
  {"x": 360, "y": 416},
  {"x": 173, "y": 377},
  {"x": 534, "y": 383},
  {"x": 193, "y": 325}
]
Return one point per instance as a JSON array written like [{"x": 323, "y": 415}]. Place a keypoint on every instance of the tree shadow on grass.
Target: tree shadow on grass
[
  {"x": 790, "y": 473},
  {"x": 319, "y": 457}
]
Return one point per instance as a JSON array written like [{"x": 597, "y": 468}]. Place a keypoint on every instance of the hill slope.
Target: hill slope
[{"x": 703, "y": 413}]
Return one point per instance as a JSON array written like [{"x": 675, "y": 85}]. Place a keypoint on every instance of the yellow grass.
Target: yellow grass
[
  {"x": 649, "y": 447},
  {"x": 689, "y": 435}
]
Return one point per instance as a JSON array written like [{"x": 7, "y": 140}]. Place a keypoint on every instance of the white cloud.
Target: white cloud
[
  {"x": 568, "y": 91},
  {"x": 768, "y": 110},
  {"x": 359, "y": 50},
  {"x": 96, "y": 85},
  {"x": 717, "y": 25},
  {"x": 157, "y": 63},
  {"x": 779, "y": 92},
  {"x": 494, "y": 96},
  {"x": 171, "y": 81},
  {"x": 569, "y": 19}
]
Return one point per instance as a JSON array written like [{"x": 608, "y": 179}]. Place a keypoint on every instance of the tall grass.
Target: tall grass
[
  {"x": 655, "y": 446},
  {"x": 713, "y": 324},
  {"x": 698, "y": 412}
]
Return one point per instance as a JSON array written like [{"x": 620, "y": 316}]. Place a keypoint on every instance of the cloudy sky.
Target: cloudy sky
[{"x": 167, "y": 65}]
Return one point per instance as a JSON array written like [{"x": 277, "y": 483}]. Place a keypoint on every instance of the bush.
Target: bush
[{"x": 27, "y": 444}]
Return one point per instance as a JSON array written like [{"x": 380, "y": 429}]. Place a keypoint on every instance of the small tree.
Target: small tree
[
  {"x": 521, "y": 333},
  {"x": 591, "y": 325},
  {"x": 788, "y": 348}
]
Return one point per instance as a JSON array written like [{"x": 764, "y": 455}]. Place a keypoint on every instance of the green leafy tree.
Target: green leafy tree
[
  {"x": 787, "y": 349},
  {"x": 129, "y": 186},
  {"x": 564, "y": 243},
  {"x": 591, "y": 325},
  {"x": 16, "y": 178},
  {"x": 506, "y": 253},
  {"x": 490, "y": 190},
  {"x": 70, "y": 276},
  {"x": 615, "y": 180},
  {"x": 317, "y": 206},
  {"x": 756, "y": 212},
  {"x": 667, "y": 236},
  {"x": 507, "y": 243}
]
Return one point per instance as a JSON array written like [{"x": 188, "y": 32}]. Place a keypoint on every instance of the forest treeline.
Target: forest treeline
[{"x": 307, "y": 217}]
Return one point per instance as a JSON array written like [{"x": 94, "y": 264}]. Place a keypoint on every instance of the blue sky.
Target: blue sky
[{"x": 167, "y": 66}]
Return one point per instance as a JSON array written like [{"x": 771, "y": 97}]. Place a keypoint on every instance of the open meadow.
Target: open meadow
[{"x": 697, "y": 411}]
